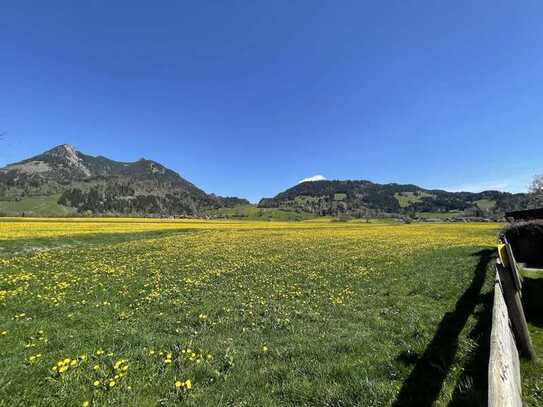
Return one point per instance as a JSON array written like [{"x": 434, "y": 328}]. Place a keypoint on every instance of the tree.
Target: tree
[
  {"x": 536, "y": 192},
  {"x": 537, "y": 185}
]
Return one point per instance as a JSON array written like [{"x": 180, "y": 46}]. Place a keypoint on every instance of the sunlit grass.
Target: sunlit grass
[{"x": 147, "y": 312}]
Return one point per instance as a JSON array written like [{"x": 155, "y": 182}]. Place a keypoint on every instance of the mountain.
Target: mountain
[
  {"x": 81, "y": 183},
  {"x": 365, "y": 198},
  {"x": 65, "y": 181}
]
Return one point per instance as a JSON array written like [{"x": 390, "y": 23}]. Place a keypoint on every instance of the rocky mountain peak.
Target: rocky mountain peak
[
  {"x": 62, "y": 150},
  {"x": 70, "y": 157}
]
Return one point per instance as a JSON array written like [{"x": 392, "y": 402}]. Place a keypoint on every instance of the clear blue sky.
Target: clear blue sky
[{"x": 247, "y": 98}]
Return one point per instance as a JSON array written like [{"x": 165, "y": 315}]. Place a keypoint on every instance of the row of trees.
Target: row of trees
[{"x": 121, "y": 199}]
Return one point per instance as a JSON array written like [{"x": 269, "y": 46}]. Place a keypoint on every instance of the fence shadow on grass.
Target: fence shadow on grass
[
  {"x": 423, "y": 385},
  {"x": 9, "y": 247},
  {"x": 472, "y": 387}
]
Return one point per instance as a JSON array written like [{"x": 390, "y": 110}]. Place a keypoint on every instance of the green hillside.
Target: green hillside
[
  {"x": 35, "y": 206},
  {"x": 408, "y": 198},
  {"x": 366, "y": 199}
]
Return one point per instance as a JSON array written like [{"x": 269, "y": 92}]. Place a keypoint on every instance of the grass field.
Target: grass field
[
  {"x": 145, "y": 312},
  {"x": 38, "y": 205},
  {"x": 407, "y": 198},
  {"x": 252, "y": 212}
]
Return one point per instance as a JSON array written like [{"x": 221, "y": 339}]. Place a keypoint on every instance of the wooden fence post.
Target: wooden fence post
[{"x": 516, "y": 313}]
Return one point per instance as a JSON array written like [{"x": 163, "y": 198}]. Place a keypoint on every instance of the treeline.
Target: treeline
[
  {"x": 123, "y": 199},
  {"x": 442, "y": 201},
  {"x": 115, "y": 199}
]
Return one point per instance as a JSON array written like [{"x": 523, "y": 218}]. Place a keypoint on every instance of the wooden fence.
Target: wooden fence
[
  {"x": 510, "y": 337},
  {"x": 504, "y": 385}
]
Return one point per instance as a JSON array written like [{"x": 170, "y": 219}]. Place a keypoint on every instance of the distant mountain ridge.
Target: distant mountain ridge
[
  {"x": 365, "y": 198},
  {"x": 99, "y": 185},
  {"x": 65, "y": 181}
]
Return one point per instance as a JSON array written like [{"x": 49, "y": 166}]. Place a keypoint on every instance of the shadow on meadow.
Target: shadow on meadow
[
  {"x": 424, "y": 384},
  {"x": 25, "y": 245}
]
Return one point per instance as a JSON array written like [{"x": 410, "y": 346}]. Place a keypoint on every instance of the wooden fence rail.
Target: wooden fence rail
[
  {"x": 504, "y": 385},
  {"x": 511, "y": 287},
  {"x": 509, "y": 337}
]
